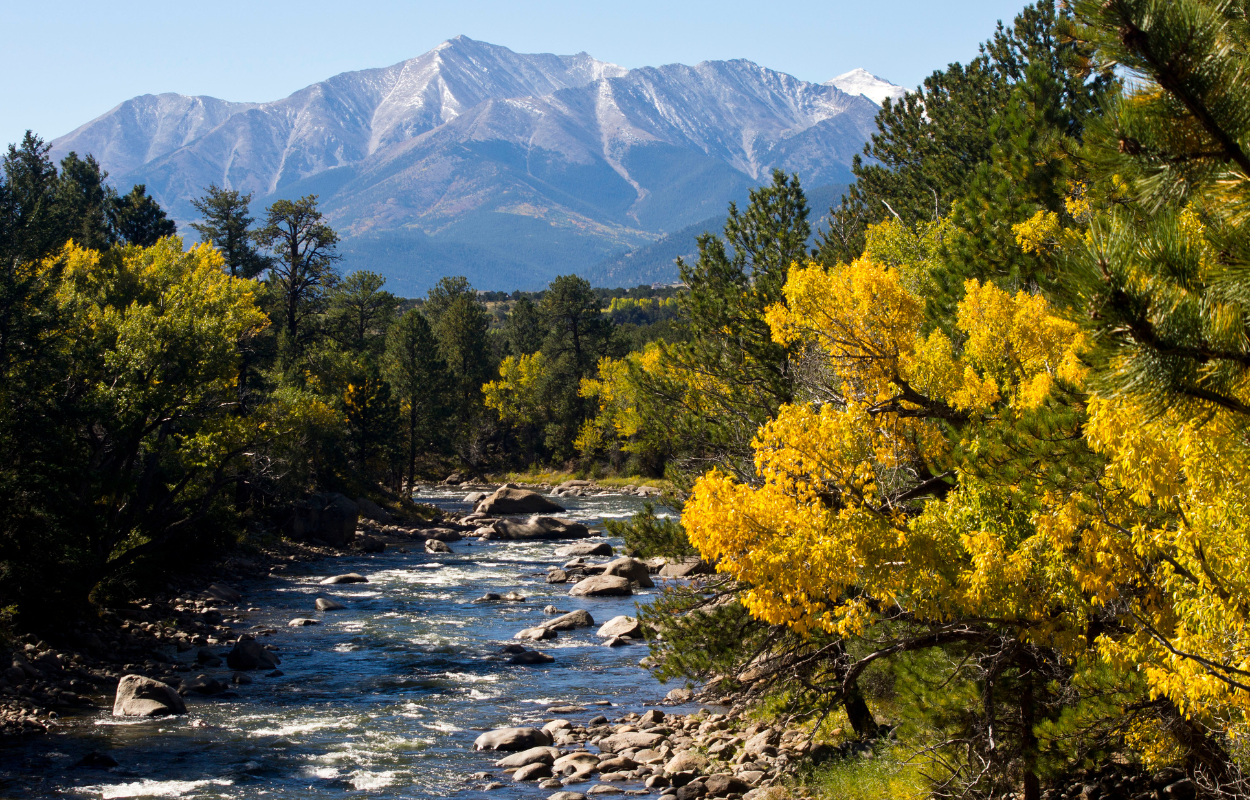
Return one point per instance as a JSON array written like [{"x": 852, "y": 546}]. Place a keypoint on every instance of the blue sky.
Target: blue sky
[{"x": 67, "y": 62}]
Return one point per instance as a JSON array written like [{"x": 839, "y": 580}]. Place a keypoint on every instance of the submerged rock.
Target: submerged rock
[
  {"x": 300, "y": 622},
  {"x": 139, "y": 696},
  {"x": 489, "y": 597},
  {"x": 325, "y": 604},
  {"x": 512, "y": 739},
  {"x": 535, "y": 634},
  {"x": 531, "y": 657}
]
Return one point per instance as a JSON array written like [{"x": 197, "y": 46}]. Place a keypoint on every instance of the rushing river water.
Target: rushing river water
[{"x": 382, "y": 700}]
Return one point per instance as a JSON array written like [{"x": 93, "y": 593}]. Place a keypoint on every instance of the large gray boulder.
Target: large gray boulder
[
  {"x": 512, "y": 739},
  {"x": 630, "y": 568},
  {"x": 574, "y": 619},
  {"x": 537, "y": 527},
  {"x": 139, "y": 696},
  {"x": 621, "y": 626},
  {"x": 685, "y": 569},
  {"x": 371, "y": 510},
  {"x": 440, "y": 534},
  {"x": 602, "y": 586},
  {"x": 508, "y": 499},
  {"x": 248, "y": 654},
  {"x": 534, "y": 755},
  {"x": 329, "y": 517},
  {"x": 584, "y": 549}
]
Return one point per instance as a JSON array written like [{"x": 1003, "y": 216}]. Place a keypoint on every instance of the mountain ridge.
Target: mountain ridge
[{"x": 547, "y": 163}]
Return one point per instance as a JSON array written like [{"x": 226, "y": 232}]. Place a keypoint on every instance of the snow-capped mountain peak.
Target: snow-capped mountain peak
[{"x": 861, "y": 81}]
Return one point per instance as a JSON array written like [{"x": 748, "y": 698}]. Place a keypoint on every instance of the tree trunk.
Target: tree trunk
[
  {"x": 1032, "y": 786},
  {"x": 859, "y": 714},
  {"x": 412, "y": 442}
]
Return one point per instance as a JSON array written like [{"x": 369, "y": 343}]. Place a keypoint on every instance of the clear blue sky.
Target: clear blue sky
[{"x": 67, "y": 62}]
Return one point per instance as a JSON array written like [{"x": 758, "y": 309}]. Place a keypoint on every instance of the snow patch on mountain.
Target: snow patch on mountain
[{"x": 861, "y": 81}]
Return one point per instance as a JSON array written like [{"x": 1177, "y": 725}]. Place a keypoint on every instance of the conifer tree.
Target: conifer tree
[
  {"x": 419, "y": 375},
  {"x": 138, "y": 219},
  {"x": 226, "y": 225}
]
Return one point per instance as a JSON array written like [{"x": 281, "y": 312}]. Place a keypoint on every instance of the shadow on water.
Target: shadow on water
[{"x": 381, "y": 700}]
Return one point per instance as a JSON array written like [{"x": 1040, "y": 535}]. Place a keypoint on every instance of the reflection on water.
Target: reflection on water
[{"x": 381, "y": 700}]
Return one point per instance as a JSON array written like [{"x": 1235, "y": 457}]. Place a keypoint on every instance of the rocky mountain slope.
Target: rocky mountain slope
[{"x": 504, "y": 167}]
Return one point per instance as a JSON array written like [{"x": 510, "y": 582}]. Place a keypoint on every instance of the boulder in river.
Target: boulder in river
[
  {"x": 618, "y": 641},
  {"x": 248, "y": 654},
  {"x": 602, "y": 586},
  {"x": 139, "y": 696},
  {"x": 489, "y": 597},
  {"x": 574, "y": 619},
  {"x": 326, "y": 604},
  {"x": 435, "y": 546},
  {"x": 473, "y": 498},
  {"x": 534, "y": 755},
  {"x": 551, "y": 610},
  {"x": 440, "y": 534},
  {"x": 566, "y": 796},
  {"x": 207, "y": 657},
  {"x": 300, "y": 622},
  {"x": 539, "y": 528},
  {"x": 630, "y": 568},
  {"x": 531, "y": 657},
  {"x": 202, "y": 685},
  {"x": 369, "y": 544},
  {"x": 328, "y": 516},
  {"x": 621, "y": 626},
  {"x": 557, "y": 576},
  {"x": 512, "y": 739},
  {"x": 535, "y": 634},
  {"x": 508, "y": 499},
  {"x": 514, "y": 597},
  {"x": 584, "y": 549},
  {"x": 350, "y": 577},
  {"x": 532, "y": 772}
]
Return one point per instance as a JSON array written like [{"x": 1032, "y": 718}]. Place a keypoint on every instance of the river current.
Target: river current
[{"x": 381, "y": 700}]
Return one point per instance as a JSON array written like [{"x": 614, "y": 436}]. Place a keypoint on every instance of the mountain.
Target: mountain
[
  {"x": 507, "y": 168},
  {"x": 861, "y": 81}
]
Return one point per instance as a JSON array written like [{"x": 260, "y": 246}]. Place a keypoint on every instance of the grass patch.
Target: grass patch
[
  {"x": 556, "y": 477},
  {"x": 885, "y": 776}
]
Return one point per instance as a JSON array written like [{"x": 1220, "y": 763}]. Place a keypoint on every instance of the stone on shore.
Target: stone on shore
[
  {"x": 508, "y": 499},
  {"x": 139, "y": 696},
  {"x": 224, "y": 593},
  {"x": 512, "y": 739},
  {"x": 440, "y": 534},
  {"x": 248, "y": 654},
  {"x": 602, "y": 586},
  {"x": 325, "y": 604},
  {"x": 535, "y": 634},
  {"x": 686, "y": 762},
  {"x": 371, "y": 510},
  {"x": 532, "y": 772},
  {"x": 537, "y": 527},
  {"x": 566, "y": 796},
  {"x": 329, "y": 517},
  {"x": 350, "y": 577},
  {"x": 684, "y": 569},
  {"x": 369, "y": 544},
  {"x": 621, "y": 626},
  {"x": 574, "y": 619},
  {"x": 584, "y": 549},
  {"x": 630, "y": 568},
  {"x": 622, "y": 741}
]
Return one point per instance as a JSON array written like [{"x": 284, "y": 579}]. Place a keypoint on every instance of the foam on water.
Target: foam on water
[{"x": 148, "y": 788}]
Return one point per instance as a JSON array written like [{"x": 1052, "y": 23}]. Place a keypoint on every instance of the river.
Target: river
[{"x": 381, "y": 700}]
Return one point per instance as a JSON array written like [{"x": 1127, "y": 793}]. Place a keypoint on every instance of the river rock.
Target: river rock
[
  {"x": 684, "y": 569},
  {"x": 566, "y": 796},
  {"x": 350, "y": 577},
  {"x": 473, "y": 498},
  {"x": 369, "y": 544},
  {"x": 223, "y": 593},
  {"x": 557, "y": 576},
  {"x": 300, "y": 622},
  {"x": 207, "y": 657},
  {"x": 678, "y": 695},
  {"x": 512, "y": 739},
  {"x": 532, "y": 772},
  {"x": 640, "y": 739},
  {"x": 724, "y": 785},
  {"x": 326, "y": 604},
  {"x": 630, "y": 568},
  {"x": 371, "y": 510},
  {"x": 435, "y": 546},
  {"x": 202, "y": 685},
  {"x": 530, "y": 658},
  {"x": 535, "y": 634},
  {"x": 551, "y": 610},
  {"x": 328, "y": 516},
  {"x": 508, "y": 499},
  {"x": 138, "y": 696},
  {"x": 604, "y": 788},
  {"x": 621, "y": 626},
  {"x": 248, "y": 654},
  {"x": 534, "y": 755},
  {"x": 537, "y": 527},
  {"x": 762, "y": 743},
  {"x": 602, "y": 586},
  {"x": 512, "y": 649},
  {"x": 489, "y": 597},
  {"x": 441, "y": 534},
  {"x": 574, "y": 619},
  {"x": 584, "y": 549},
  {"x": 686, "y": 762},
  {"x": 617, "y": 641}
]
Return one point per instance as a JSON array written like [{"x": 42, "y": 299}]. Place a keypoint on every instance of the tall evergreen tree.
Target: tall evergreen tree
[
  {"x": 359, "y": 313},
  {"x": 138, "y": 219},
  {"x": 421, "y": 380},
  {"x": 523, "y": 330},
  {"x": 84, "y": 202},
  {"x": 578, "y": 335},
  {"x": 302, "y": 270},
  {"x": 226, "y": 225}
]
